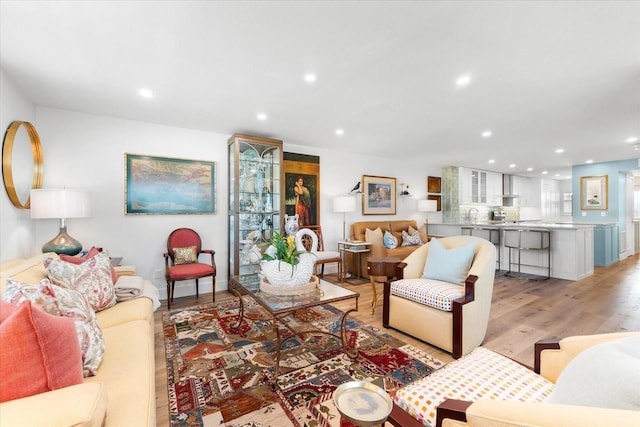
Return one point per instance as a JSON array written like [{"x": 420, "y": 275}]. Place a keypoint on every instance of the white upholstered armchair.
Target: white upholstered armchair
[{"x": 451, "y": 316}]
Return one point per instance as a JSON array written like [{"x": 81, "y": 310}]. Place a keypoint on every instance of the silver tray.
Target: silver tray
[{"x": 362, "y": 403}]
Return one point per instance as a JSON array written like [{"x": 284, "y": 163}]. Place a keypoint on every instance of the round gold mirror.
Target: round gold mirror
[{"x": 21, "y": 154}]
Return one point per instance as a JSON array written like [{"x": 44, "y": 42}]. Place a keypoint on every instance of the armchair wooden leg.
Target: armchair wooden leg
[
  {"x": 168, "y": 295},
  {"x": 197, "y": 288},
  {"x": 213, "y": 289}
]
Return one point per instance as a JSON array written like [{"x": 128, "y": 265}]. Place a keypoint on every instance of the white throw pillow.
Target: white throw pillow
[
  {"x": 606, "y": 375},
  {"x": 448, "y": 265}
]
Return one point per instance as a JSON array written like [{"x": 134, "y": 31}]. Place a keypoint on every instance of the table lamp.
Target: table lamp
[
  {"x": 343, "y": 205},
  {"x": 427, "y": 206},
  {"x": 60, "y": 203}
]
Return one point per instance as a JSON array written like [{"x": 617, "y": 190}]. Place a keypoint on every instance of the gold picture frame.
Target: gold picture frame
[
  {"x": 594, "y": 194},
  {"x": 379, "y": 195}
]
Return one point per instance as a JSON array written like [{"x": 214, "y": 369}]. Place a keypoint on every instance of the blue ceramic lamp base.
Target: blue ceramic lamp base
[{"x": 62, "y": 244}]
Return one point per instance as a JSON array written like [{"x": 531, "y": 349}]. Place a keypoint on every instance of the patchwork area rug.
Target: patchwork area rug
[{"x": 220, "y": 376}]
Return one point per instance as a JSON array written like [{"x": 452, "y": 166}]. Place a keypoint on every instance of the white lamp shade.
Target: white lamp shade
[
  {"x": 427, "y": 205},
  {"x": 59, "y": 203},
  {"x": 344, "y": 204}
]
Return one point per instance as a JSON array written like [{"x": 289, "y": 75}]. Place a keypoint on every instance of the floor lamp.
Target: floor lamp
[
  {"x": 61, "y": 204},
  {"x": 343, "y": 205},
  {"x": 427, "y": 206}
]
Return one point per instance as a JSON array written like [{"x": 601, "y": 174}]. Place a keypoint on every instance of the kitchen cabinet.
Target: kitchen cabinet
[
  {"x": 255, "y": 201},
  {"x": 606, "y": 245},
  {"x": 480, "y": 187},
  {"x": 521, "y": 187}
]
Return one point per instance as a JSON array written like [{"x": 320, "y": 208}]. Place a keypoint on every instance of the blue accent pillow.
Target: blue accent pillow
[
  {"x": 448, "y": 265},
  {"x": 389, "y": 240}
]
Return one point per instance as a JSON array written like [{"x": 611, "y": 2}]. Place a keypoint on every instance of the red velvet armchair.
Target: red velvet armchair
[{"x": 184, "y": 246}]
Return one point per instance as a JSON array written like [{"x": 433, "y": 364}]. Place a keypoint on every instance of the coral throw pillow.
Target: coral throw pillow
[
  {"x": 40, "y": 352},
  {"x": 92, "y": 279},
  {"x": 184, "y": 255},
  {"x": 63, "y": 302},
  {"x": 92, "y": 252}
]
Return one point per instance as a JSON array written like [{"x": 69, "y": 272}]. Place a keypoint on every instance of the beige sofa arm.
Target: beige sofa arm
[
  {"x": 550, "y": 362},
  {"x": 79, "y": 405},
  {"x": 485, "y": 413}
]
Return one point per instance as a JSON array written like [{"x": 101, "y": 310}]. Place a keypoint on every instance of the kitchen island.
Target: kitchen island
[{"x": 571, "y": 250}]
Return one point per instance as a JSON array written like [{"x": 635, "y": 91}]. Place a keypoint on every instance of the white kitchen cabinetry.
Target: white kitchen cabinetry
[
  {"x": 480, "y": 187},
  {"x": 522, "y": 188}
]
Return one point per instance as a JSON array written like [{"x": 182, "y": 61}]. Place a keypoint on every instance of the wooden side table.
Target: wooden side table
[{"x": 386, "y": 267}]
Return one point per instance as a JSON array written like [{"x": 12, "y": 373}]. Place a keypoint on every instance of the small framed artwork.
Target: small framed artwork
[
  {"x": 163, "y": 185},
  {"x": 379, "y": 196},
  {"x": 302, "y": 187},
  {"x": 437, "y": 199},
  {"x": 434, "y": 184},
  {"x": 594, "y": 193}
]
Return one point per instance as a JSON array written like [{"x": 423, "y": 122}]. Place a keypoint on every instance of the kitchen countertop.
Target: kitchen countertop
[{"x": 524, "y": 224}]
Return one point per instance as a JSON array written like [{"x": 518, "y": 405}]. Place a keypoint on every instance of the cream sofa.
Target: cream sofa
[
  {"x": 463, "y": 327},
  {"x": 377, "y": 250},
  {"x": 123, "y": 391},
  {"x": 513, "y": 395}
]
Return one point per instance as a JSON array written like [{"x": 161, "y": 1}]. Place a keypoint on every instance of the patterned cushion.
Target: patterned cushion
[
  {"x": 433, "y": 293},
  {"x": 69, "y": 303},
  {"x": 390, "y": 241},
  {"x": 92, "y": 279},
  {"x": 482, "y": 374},
  {"x": 184, "y": 255},
  {"x": 411, "y": 239},
  {"x": 90, "y": 254}
]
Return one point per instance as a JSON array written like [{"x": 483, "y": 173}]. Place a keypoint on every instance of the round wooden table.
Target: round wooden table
[{"x": 381, "y": 267}]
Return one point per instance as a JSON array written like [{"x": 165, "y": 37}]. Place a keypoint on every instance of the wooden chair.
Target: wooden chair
[
  {"x": 181, "y": 261},
  {"x": 323, "y": 257}
]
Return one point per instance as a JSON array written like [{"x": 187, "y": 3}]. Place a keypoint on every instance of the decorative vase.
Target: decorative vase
[
  {"x": 291, "y": 224},
  {"x": 281, "y": 273}
]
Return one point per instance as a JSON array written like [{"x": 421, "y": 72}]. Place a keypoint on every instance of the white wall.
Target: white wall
[
  {"x": 17, "y": 238},
  {"x": 87, "y": 151}
]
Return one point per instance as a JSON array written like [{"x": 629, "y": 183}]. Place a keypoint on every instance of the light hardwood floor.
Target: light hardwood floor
[{"x": 522, "y": 312}]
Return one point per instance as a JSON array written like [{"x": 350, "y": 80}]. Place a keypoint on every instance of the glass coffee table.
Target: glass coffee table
[{"x": 281, "y": 306}]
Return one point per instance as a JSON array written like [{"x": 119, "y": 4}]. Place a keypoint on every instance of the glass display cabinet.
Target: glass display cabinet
[{"x": 255, "y": 200}]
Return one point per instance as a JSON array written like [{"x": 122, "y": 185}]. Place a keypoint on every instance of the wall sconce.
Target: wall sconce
[{"x": 60, "y": 203}]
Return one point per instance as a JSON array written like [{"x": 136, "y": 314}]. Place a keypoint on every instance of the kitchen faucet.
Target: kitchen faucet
[{"x": 475, "y": 217}]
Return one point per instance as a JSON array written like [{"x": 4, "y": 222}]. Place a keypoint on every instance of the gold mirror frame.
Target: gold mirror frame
[{"x": 7, "y": 153}]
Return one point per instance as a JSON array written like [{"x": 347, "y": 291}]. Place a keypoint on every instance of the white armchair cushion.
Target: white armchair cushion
[
  {"x": 324, "y": 255},
  {"x": 449, "y": 265},
  {"x": 433, "y": 293}
]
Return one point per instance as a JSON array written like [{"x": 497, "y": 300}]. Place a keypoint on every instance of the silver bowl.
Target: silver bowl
[{"x": 362, "y": 403}]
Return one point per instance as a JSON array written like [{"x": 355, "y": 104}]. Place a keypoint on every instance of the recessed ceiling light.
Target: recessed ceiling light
[
  {"x": 486, "y": 134},
  {"x": 589, "y": 161},
  {"x": 339, "y": 132},
  {"x": 310, "y": 78},
  {"x": 492, "y": 161},
  {"x": 512, "y": 165},
  {"x": 560, "y": 150},
  {"x": 557, "y": 175},
  {"x": 632, "y": 139},
  {"x": 463, "y": 80},
  {"x": 544, "y": 172},
  {"x": 261, "y": 116},
  {"x": 145, "y": 93},
  {"x": 529, "y": 169}
]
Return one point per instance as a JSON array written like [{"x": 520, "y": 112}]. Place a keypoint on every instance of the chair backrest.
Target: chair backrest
[
  {"x": 306, "y": 240},
  {"x": 181, "y": 238}
]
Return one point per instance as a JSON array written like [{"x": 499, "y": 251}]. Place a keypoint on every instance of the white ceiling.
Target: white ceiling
[{"x": 545, "y": 75}]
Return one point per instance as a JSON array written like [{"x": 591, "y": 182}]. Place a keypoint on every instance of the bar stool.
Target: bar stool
[
  {"x": 519, "y": 239},
  {"x": 491, "y": 234}
]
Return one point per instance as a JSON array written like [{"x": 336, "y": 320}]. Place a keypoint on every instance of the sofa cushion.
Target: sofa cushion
[
  {"x": 429, "y": 292},
  {"x": 373, "y": 236},
  {"x": 482, "y": 374},
  {"x": 389, "y": 240},
  {"x": 606, "y": 375},
  {"x": 59, "y": 301},
  {"x": 90, "y": 254},
  {"x": 449, "y": 265},
  {"x": 40, "y": 352},
  {"x": 411, "y": 239},
  {"x": 186, "y": 255},
  {"x": 92, "y": 279}
]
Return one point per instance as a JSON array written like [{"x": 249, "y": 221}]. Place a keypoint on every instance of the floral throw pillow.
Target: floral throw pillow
[
  {"x": 184, "y": 255},
  {"x": 92, "y": 279},
  {"x": 59, "y": 301},
  {"x": 412, "y": 239},
  {"x": 390, "y": 241}
]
